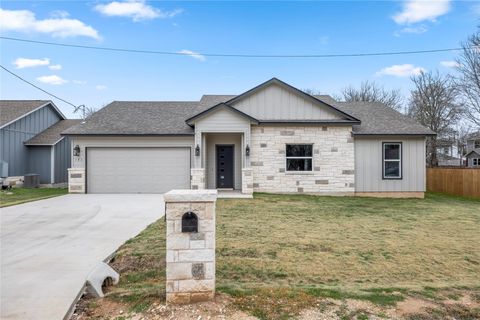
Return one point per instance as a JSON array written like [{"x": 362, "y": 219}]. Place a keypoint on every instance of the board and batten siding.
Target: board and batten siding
[
  {"x": 277, "y": 103},
  {"x": 39, "y": 162},
  {"x": 223, "y": 139},
  {"x": 63, "y": 157},
  {"x": 368, "y": 165},
  {"x": 12, "y": 137},
  {"x": 127, "y": 141}
]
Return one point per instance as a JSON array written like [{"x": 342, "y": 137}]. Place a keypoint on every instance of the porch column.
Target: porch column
[
  {"x": 197, "y": 172},
  {"x": 247, "y": 174}
]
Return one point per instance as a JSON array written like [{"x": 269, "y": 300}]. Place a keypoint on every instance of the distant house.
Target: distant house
[
  {"x": 448, "y": 153},
  {"x": 31, "y": 141},
  {"x": 473, "y": 150}
]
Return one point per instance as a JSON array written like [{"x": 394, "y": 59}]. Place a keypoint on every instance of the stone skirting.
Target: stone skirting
[
  {"x": 247, "y": 181},
  {"x": 190, "y": 255},
  {"x": 76, "y": 180},
  {"x": 197, "y": 178},
  {"x": 412, "y": 194}
]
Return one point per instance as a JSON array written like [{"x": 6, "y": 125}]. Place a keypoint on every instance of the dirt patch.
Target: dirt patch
[
  {"x": 413, "y": 305},
  {"x": 219, "y": 309}
]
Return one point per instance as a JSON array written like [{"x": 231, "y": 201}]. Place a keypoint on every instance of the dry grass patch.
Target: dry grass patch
[{"x": 279, "y": 255}]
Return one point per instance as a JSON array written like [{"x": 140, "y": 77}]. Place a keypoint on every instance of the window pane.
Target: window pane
[
  {"x": 299, "y": 164},
  {"x": 392, "y": 151},
  {"x": 299, "y": 150},
  {"x": 392, "y": 169}
]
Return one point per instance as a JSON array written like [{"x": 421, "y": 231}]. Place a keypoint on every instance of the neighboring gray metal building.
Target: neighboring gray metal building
[{"x": 30, "y": 140}]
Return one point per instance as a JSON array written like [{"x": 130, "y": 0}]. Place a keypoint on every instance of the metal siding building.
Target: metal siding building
[
  {"x": 31, "y": 141},
  {"x": 12, "y": 149}
]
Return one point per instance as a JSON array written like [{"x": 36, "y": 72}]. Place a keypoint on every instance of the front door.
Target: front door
[{"x": 224, "y": 167}]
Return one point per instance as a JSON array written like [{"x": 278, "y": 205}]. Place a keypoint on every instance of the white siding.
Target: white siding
[
  {"x": 222, "y": 120},
  {"x": 127, "y": 141},
  {"x": 368, "y": 165},
  {"x": 277, "y": 103},
  {"x": 223, "y": 138}
]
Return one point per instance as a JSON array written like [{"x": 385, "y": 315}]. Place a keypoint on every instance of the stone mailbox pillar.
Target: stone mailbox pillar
[{"x": 190, "y": 216}]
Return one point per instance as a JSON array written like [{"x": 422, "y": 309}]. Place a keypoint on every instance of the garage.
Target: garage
[{"x": 137, "y": 170}]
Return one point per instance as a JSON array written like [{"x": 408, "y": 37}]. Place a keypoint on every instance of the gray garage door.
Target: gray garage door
[{"x": 137, "y": 170}]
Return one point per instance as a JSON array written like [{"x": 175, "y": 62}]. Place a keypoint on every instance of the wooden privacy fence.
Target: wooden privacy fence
[{"x": 457, "y": 181}]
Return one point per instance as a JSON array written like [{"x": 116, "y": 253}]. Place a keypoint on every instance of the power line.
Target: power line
[
  {"x": 227, "y": 55},
  {"x": 37, "y": 87}
]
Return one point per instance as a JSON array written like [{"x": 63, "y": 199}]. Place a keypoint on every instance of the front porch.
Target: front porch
[{"x": 220, "y": 162}]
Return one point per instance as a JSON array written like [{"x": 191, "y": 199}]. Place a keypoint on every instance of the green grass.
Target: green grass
[
  {"x": 22, "y": 195},
  {"x": 278, "y": 254}
]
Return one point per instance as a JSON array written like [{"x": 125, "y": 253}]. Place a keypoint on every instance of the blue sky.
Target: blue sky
[{"x": 95, "y": 77}]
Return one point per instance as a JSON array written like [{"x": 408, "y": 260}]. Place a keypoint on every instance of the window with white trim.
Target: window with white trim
[
  {"x": 476, "y": 144},
  {"x": 392, "y": 160},
  {"x": 299, "y": 157},
  {"x": 476, "y": 162}
]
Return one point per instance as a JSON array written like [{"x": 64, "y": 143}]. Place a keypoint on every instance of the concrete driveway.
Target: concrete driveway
[{"x": 48, "y": 247}]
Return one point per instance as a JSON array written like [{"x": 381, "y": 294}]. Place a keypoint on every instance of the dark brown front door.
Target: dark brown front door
[{"x": 224, "y": 166}]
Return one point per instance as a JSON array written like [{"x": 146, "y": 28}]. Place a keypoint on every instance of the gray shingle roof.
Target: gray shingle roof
[
  {"x": 378, "y": 119},
  {"x": 477, "y": 151},
  {"x": 11, "y": 110},
  {"x": 139, "y": 118},
  {"x": 52, "y": 135},
  {"x": 168, "y": 118}
]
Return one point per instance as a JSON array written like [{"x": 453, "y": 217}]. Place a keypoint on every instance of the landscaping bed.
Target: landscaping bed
[
  {"x": 282, "y": 256},
  {"x": 21, "y": 195}
]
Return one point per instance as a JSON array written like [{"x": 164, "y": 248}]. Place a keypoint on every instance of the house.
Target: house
[
  {"x": 473, "y": 150},
  {"x": 31, "y": 141},
  {"x": 272, "y": 138},
  {"x": 448, "y": 153}
]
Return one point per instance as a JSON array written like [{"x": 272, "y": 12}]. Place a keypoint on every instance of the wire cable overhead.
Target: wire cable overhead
[
  {"x": 234, "y": 55},
  {"x": 76, "y": 108}
]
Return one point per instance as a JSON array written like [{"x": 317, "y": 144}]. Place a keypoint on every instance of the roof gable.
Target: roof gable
[
  {"x": 14, "y": 110},
  {"x": 214, "y": 109},
  {"x": 277, "y": 100}
]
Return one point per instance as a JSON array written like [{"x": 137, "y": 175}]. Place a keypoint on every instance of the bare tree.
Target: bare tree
[
  {"x": 469, "y": 80},
  {"x": 89, "y": 111},
  {"x": 372, "y": 92},
  {"x": 434, "y": 104}
]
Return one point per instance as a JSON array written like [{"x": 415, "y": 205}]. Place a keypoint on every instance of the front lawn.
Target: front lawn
[
  {"x": 22, "y": 195},
  {"x": 280, "y": 254}
]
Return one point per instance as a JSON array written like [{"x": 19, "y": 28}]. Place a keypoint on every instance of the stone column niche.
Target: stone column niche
[{"x": 190, "y": 257}]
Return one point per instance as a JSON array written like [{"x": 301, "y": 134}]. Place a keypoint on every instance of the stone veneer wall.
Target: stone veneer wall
[
  {"x": 190, "y": 255},
  {"x": 247, "y": 180},
  {"x": 333, "y": 159},
  {"x": 197, "y": 179},
  {"x": 76, "y": 180}
]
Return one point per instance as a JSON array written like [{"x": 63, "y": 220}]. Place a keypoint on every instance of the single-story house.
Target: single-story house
[
  {"x": 31, "y": 140},
  {"x": 272, "y": 138}
]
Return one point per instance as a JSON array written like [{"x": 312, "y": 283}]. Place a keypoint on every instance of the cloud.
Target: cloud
[
  {"x": 100, "y": 87},
  {"x": 412, "y": 30},
  {"x": 400, "y": 70},
  {"x": 59, "y": 27},
  {"x": 137, "y": 10},
  {"x": 55, "y": 67},
  {"x": 193, "y": 54},
  {"x": 449, "y": 64},
  {"x": 22, "y": 63},
  {"x": 53, "y": 79},
  {"x": 414, "y": 11},
  {"x": 79, "y": 82}
]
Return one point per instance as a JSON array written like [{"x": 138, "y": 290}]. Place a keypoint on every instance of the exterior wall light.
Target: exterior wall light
[
  {"x": 76, "y": 151},
  {"x": 197, "y": 150},
  {"x": 247, "y": 151}
]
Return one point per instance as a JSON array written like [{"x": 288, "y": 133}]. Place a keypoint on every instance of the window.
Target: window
[
  {"x": 476, "y": 162},
  {"x": 477, "y": 144},
  {"x": 392, "y": 160},
  {"x": 299, "y": 157}
]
